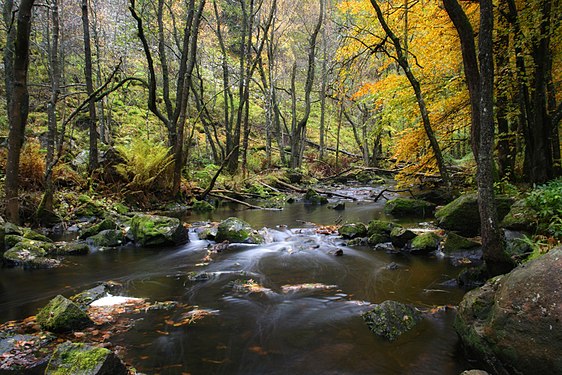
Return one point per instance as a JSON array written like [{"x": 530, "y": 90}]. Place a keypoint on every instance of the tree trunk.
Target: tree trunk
[
  {"x": 93, "y": 159},
  {"x": 496, "y": 259},
  {"x": 18, "y": 107},
  {"x": 470, "y": 63}
]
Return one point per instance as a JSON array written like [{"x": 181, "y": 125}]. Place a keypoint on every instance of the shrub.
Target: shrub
[{"x": 547, "y": 201}]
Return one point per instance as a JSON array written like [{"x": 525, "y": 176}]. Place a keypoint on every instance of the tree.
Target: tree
[
  {"x": 18, "y": 101},
  {"x": 403, "y": 62},
  {"x": 93, "y": 158}
]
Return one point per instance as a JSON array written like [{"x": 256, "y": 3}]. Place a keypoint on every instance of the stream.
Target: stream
[{"x": 306, "y": 319}]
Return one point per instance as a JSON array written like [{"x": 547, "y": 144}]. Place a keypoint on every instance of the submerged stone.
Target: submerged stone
[
  {"x": 73, "y": 358},
  {"x": 400, "y": 207},
  {"x": 153, "y": 230},
  {"x": 391, "y": 319},
  {"x": 353, "y": 230},
  {"x": 62, "y": 315},
  {"x": 235, "y": 230}
]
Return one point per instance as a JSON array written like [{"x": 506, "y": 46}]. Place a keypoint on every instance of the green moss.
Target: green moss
[
  {"x": 30, "y": 254},
  {"x": 105, "y": 224},
  {"x": 378, "y": 238},
  {"x": 391, "y": 319},
  {"x": 107, "y": 238},
  {"x": 62, "y": 315},
  {"x": 31, "y": 235},
  {"x": 380, "y": 227},
  {"x": 152, "y": 230},
  {"x": 425, "y": 243},
  {"x": 353, "y": 230},
  {"x": 409, "y": 207},
  {"x": 235, "y": 230},
  {"x": 202, "y": 206},
  {"x": 77, "y": 358},
  {"x": 454, "y": 242},
  {"x": 313, "y": 197}
]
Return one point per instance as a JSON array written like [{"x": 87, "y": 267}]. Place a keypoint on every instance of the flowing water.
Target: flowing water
[{"x": 280, "y": 327}]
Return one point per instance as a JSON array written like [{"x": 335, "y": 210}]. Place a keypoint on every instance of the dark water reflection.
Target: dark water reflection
[{"x": 311, "y": 331}]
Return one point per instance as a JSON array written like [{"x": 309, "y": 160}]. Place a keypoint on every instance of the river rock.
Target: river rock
[
  {"x": 424, "y": 243},
  {"x": 312, "y": 197},
  {"x": 401, "y": 236},
  {"x": 29, "y": 254},
  {"x": 379, "y": 231},
  {"x": 353, "y": 230},
  {"x": 514, "y": 322},
  {"x": 454, "y": 243},
  {"x": 32, "y": 235},
  {"x": 462, "y": 215},
  {"x": 107, "y": 238},
  {"x": 71, "y": 248},
  {"x": 88, "y": 207},
  {"x": 74, "y": 358},
  {"x": 62, "y": 315},
  {"x": 153, "y": 230},
  {"x": 401, "y": 207},
  {"x": 202, "y": 206},
  {"x": 105, "y": 224},
  {"x": 83, "y": 299},
  {"x": 474, "y": 372},
  {"x": 30, "y": 358},
  {"x": 12, "y": 240},
  {"x": 521, "y": 217},
  {"x": 235, "y": 230},
  {"x": 391, "y": 319}
]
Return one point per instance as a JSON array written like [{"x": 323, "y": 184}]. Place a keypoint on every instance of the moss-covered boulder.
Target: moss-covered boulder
[
  {"x": 105, "y": 224},
  {"x": 87, "y": 207},
  {"x": 521, "y": 217},
  {"x": 10, "y": 228},
  {"x": 107, "y": 238},
  {"x": 391, "y": 319},
  {"x": 32, "y": 235},
  {"x": 400, "y": 237},
  {"x": 71, "y": 248},
  {"x": 455, "y": 243},
  {"x": 235, "y": 230},
  {"x": 78, "y": 358},
  {"x": 312, "y": 197},
  {"x": 30, "y": 254},
  {"x": 425, "y": 243},
  {"x": 12, "y": 240},
  {"x": 353, "y": 230},
  {"x": 514, "y": 322},
  {"x": 402, "y": 207},
  {"x": 462, "y": 215},
  {"x": 62, "y": 315},
  {"x": 153, "y": 230},
  {"x": 380, "y": 227}
]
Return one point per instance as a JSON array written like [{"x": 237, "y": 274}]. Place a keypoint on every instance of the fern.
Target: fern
[{"x": 147, "y": 165}]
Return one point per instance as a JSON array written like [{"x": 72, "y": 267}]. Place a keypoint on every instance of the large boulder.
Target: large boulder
[
  {"x": 521, "y": 217},
  {"x": 71, "y": 248},
  {"x": 391, "y": 319},
  {"x": 62, "y": 315},
  {"x": 353, "y": 230},
  {"x": 455, "y": 243},
  {"x": 235, "y": 230},
  {"x": 379, "y": 231},
  {"x": 152, "y": 230},
  {"x": 107, "y": 238},
  {"x": 400, "y": 207},
  {"x": 400, "y": 237},
  {"x": 462, "y": 215},
  {"x": 312, "y": 197},
  {"x": 513, "y": 323},
  {"x": 105, "y": 224},
  {"x": 29, "y": 254},
  {"x": 74, "y": 358}
]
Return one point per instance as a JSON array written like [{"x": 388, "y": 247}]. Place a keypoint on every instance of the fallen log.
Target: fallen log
[
  {"x": 246, "y": 204},
  {"x": 323, "y": 192}
]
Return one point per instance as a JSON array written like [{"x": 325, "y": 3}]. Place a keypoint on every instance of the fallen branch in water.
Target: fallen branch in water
[
  {"x": 301, "y": 190},
  {"x": 246, "y": 204},
  {"x": 393, "y": 191}
]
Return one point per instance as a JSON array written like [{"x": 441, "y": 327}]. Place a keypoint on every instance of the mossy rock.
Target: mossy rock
[
  {"x": 10, "y": 228},
  {"x": 369, "y": 177},
  {"x": 462, "y": 215},
  {"x": 353, "y": 230},
  {"x": 202, "y": 206},
  {"x": 71, "y": 248},
  {"x": 78, "y": 358},
  {"x": 380, "y": 227},
  {"x": 62, "y": 315},
  {"x": 121, "y": 209},
  {"x": 29, "y": 254},
  {"x": 32, "y": 235},
  {"x": 521, "y": 217},
  {"x": 12, "y": 240},
  {"x": 513, "y": 323},
  {"x": 424, "y": 243},
  {"x": 153, "y": 230},
  {"x": 312, "y": 197},
  {"x": 402, "y": 207},
  {"x": 88, "y": 207},
  {"x": 107, "y": 238},
  {"x": 378, "y": 238},
  {"x": 391, "y": 319},
  {"x": 105, "y": 224},
  {"x": 473, "y": 277},
  {"x": 455, "y": 243},
  {"x": 235, "y": 230},
  {"x": 400, "y": 237}
]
